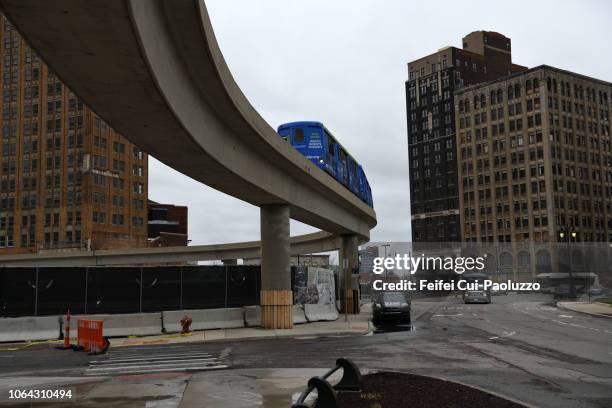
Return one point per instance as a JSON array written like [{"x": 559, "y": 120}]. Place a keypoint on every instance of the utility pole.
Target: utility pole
[{"x": 386, "y": 270}]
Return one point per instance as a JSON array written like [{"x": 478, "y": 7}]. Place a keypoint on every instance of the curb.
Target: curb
[
  {"x": 598, "y": 315},
  {"x": 25, "y": 345},
  {"x": 12, "y": 347},
  {"x": 163, "y": 341}
]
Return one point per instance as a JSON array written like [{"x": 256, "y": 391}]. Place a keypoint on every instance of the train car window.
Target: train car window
[
  {"x": 298, "y": 135},
  {"x": 343, "y": 167},
  {"x": 330, "y": 148},
  {"x": 355, "y": 181}
]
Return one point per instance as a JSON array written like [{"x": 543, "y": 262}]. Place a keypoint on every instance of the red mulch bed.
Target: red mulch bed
[{"x": 398, "y": 390}]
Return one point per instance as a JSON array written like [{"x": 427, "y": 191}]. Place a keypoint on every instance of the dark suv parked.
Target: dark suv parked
[{"x": 391, "y": 307}]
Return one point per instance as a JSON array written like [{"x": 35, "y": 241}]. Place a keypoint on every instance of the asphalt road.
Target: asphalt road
[{"x": 519, "y": 346}]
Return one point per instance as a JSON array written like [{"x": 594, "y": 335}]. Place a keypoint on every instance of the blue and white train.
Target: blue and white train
[{"x": 316, "y": 143}]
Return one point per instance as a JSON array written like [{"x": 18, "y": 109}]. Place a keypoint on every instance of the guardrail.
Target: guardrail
[{"x": 327, "y": 395}]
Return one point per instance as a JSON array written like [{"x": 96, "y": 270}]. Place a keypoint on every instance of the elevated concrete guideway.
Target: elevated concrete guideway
[
  {"x": 302, "y": 244},
  {"x": 154, "y": 71}
]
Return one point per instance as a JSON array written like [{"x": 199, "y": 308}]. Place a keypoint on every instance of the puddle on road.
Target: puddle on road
[{"x": 394, "y": 328}]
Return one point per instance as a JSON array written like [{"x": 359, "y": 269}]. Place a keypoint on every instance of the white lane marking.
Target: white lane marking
[
  {"x": 449, "y": 315},
  {"x": 152, "y": 367},
  {"x": 494, "y": 338},
  {"x": 514, "y": 306},
  {"x": 566, "y": 316},
  {"x": 165, "y": 370},
  {"x": 225, "y": 352},
  {"x": 136, "y": 354},
  {"x": 508, "y": 333},
  {"x": 123, "y": 364},
  {"x": 154, "y": 357},
  {"x": 583, "y": 327}
]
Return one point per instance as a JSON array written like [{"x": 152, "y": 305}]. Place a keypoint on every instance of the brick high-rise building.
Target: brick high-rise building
[
  {"x": 67, "y": 180},
  {"x": 432, "y": 82},
  {"x": 535, "y": 154}
]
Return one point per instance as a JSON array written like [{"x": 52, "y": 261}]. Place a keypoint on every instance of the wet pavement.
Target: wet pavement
[{"x": 519, "y": 346}]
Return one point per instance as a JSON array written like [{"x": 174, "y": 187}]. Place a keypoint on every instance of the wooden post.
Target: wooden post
[{"x": 277, "y": 309}]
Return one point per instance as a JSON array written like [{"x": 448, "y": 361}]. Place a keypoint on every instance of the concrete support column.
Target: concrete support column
[
  {"x": 348, "y": 262},
  {"x": 276, "y": 294}
]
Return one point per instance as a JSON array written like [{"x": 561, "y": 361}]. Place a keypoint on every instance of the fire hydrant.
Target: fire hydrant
[{"x": 186, "y": 324}]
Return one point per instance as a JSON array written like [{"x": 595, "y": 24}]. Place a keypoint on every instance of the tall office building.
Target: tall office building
[
  {"x": 535, "y": 155},
  {"x": 67, "y": 180},
  {"x": 430, "y": 104}
]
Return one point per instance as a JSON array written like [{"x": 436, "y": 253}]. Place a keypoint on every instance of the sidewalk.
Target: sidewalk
[
  {"x": 355, "y": 324},
  {"x": 595, "y": 309}
]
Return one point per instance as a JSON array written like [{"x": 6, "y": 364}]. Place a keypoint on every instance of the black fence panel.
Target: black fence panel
[
  {"x": 17, "y": 292},
  {"x": 95, "y": 290},
  {"x": 242, "y": 285},
  {"x": 60, "y": 289},
  {"x": 113, "y": 290},
  {"x": 161, "y": 288},
  {"x": 203, "y": 287}
]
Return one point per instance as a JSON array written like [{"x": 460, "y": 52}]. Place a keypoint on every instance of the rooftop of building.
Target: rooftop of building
[
  {"x": 152, "y": 203},
  {"x": 528, "y": 71},
  {"x": 463, "y": 50}
]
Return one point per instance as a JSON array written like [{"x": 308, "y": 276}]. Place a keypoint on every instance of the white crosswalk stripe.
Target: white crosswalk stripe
[{"x": 137, "y": 363}]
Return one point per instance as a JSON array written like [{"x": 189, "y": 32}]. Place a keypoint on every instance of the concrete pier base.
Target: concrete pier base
[
  {"x": 349, "y": 260},
  {"x": 276, "y": 296}
]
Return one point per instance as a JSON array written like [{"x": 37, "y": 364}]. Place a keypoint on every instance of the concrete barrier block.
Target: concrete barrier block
[
  {"x": 252, "y": 316},
  {"x": 29, "y": 328},
  {"x": 316, "y": 313},
  {"x": 298, "y": 314},
  {"x": 204, "y": 319},
  {"x": 122, "y": 325}
]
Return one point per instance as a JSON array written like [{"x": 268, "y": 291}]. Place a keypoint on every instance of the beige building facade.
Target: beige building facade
[
  {"x": 68, "y": 181},
  {"x": 535, "y": 162}
]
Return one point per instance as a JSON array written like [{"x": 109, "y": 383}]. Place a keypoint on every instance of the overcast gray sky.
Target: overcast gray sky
[{"x": 343, "y": 62}]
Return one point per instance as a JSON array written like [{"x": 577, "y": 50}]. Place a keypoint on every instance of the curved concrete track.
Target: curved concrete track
[
  {"x": 153, "y": 70},
  {"x": 302, "y": 244}
]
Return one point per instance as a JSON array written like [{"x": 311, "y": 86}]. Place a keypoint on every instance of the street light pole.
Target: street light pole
[
  {"x": 568, "y": 233},
  {"x": 386, "y": 270}
]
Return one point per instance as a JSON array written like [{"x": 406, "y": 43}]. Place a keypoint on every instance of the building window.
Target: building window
[
  {"x": 137, "y": 153},
  {"x": 138, "y": 204},
  {"x": 117, "y": 219},
  {"x": 99, "y": 197},
  {"x": 137, "y": 170},
  {"x": 118, "y": 201},
  {"x": 118, "y": 183},
  {"x": 118, "y": 147},
  {"x": 99, "y": 217}
]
